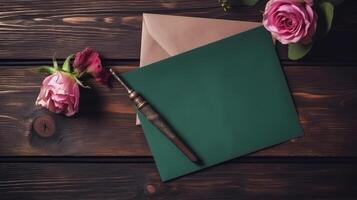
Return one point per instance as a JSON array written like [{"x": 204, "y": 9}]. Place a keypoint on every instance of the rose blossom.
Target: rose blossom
[
  {"x": 290, "y": 21},
  {"x": 60, "y": 94},
  {"x": 88, "y": 60}
]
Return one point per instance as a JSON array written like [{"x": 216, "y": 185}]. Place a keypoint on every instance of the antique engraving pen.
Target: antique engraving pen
[{"x": 154, "y": 117}]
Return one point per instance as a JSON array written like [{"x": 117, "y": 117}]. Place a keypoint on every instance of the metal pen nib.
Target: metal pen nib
[{"x": 121, "y": 81}]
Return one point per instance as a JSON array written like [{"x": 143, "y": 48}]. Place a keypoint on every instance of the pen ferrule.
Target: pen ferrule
[{"x": 137, "y": 99}]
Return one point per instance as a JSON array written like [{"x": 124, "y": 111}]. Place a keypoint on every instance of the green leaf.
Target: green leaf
[
  {"x": 326, "y": 13},
  {"x": 333, "y": 2},
  {"x": 225, "y": 5},
  {"x": 55, "y": 64},
  {"x": 80, "y": 83},
  {"x": 298, "y": 50},
  {"x": 250, "y": 2},
  {"x": 66, "y": 65},
  {"x": 46, "y": 69}
]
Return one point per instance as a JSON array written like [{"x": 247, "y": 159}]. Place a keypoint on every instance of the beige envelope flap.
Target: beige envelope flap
[
  {"x": 151, "y": 50},
  {"x": 166, "y": 35}
]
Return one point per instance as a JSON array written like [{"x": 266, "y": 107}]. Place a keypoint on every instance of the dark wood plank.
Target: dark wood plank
[
  {"x": 38, "y": 29},
  {"x": 326, "y": 98},
  {"x": 141, "y": 181}
]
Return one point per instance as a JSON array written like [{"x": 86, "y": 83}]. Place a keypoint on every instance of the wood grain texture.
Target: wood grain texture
[
  {"x": 326, "y": 99},
  {"x": 140, "y": 181},
  {"x": 37, "y": 29},
  {"x": 101, "y": 154}
]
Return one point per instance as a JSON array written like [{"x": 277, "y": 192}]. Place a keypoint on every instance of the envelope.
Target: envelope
[
  {"x": 224, "y": 100},
  {"x": 164, "y": 36}
]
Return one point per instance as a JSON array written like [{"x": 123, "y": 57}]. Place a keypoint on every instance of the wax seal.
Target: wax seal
[{"x": 44, "y": 126}]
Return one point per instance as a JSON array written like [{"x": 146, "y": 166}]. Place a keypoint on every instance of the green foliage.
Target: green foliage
[
  {"x": 333, "y": 2},
  {"x": 55, "y": 64},
  {"x": 326, "y": 10},
  {"x": 46, "y": 69},
  {"x": 66, "y": 68},
  {"x": 298, "y": 50},
  {"x": 250, "y": 2},
  {"x": 80, "y": 83},
  {"x": 66, "y": 65},
  {"x": 225, "y": 5}
]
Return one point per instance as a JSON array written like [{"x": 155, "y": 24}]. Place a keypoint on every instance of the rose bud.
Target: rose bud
[
  {"x": 89, "y": 61},
  {"x": 290, "y": 21},
  {"x": 59, "y": 93}
]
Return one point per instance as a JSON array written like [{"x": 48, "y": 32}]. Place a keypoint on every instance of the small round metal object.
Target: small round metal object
[{"x": 44, "y": 126}]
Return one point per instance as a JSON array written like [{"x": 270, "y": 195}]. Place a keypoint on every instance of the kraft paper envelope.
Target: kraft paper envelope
[
  {"x": 225, "y": 99},
  {"x": 164, "y": 36}
]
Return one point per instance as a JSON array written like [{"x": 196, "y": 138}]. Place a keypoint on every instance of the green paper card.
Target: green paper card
[{"x": 226, "y": 99}]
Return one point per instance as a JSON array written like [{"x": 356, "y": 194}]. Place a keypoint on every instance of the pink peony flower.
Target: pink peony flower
[
  {"x": 60, "y": 94},
  {"x": 88, "y": 60},
  {"x": 290, "y": 21}
]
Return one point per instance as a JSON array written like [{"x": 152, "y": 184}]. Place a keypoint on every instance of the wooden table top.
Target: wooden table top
[{"x": 102, "y": 154}]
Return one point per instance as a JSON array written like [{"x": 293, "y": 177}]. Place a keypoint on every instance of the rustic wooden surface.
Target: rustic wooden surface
[{"x": 101, "y": 154}]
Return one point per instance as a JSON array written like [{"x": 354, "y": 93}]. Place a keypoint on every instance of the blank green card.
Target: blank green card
[{"x": 226, "y": 99}]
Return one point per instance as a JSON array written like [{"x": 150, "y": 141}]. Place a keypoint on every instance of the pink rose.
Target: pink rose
[
  {"x": 60, "y": 94},
  {"x": 88, "y": 60},
  {"x": 290, "y": 21}
]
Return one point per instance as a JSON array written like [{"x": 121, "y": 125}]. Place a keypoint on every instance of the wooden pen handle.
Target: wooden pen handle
[{"x": 148, "y": 111}]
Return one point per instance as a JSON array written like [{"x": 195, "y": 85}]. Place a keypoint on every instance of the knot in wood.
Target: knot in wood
[
  {"x": 44, "y": 126},
  {"x": 150, "y": 189}
]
